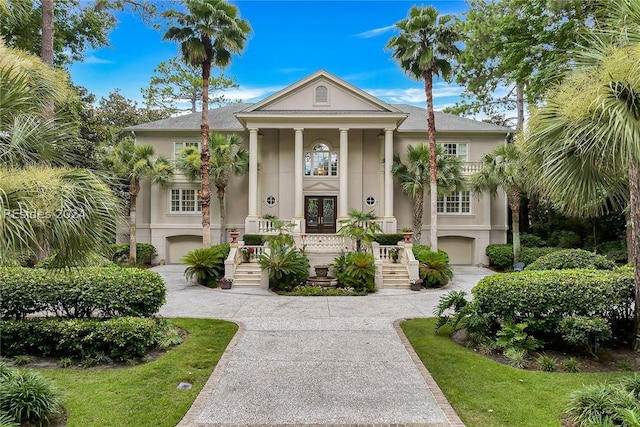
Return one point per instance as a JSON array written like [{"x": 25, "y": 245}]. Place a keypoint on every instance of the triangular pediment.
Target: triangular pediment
[
  {"x": 322, "y": 92},
  {"x": 319, "y": 186}
]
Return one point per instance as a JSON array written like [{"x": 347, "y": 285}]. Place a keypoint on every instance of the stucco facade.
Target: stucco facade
[{"x": 318, "y": 149}]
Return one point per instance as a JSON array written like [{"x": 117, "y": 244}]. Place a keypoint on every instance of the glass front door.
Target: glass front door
[{"x": 320, "y": 214}]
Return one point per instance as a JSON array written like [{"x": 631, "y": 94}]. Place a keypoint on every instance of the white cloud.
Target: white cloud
[
  {"x": 247, "y": 94},
  {"x": 416, "y": 95},
  {"x": 92, "y": 59},
  {"x": 375, "y": 32}
]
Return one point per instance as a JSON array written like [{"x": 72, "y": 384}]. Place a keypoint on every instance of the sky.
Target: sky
[{"x": 289, "y": 41}]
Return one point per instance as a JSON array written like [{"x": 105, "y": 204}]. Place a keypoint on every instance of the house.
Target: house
[{"x": 319, "y": 148}]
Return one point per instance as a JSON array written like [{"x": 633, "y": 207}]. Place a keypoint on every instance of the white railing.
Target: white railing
[
  {"x": 255, "y": 252},
  {"x": 386, "y": 253},
  {"x": 471, "y": 167},
  {"x": 267, "y": 226},
  {"x": 323, "y": 242}
]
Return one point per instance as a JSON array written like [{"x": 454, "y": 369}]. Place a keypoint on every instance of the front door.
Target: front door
[{"x": 320, "y": 214}]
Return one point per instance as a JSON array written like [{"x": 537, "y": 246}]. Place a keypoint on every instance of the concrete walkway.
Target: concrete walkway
[{"x": 315, "y": 360}]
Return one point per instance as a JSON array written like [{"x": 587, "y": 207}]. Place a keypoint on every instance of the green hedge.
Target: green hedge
[
  {"x": 388, "y": 239},
  {"x": 91, "y": 260},
  {"x": 571, "y": 258},
  {"x": 543, "y": 298},
  {"x": 81, "y": 292},
  {"x": 120, "y": 338},
  {"x": 254, "y": 239},
  {"x": 501, "y": 255},
  {"x": 145, "y": 252}
]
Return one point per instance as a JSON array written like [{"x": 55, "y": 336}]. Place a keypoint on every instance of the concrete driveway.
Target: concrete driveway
[{"x": 315, "y": 360}]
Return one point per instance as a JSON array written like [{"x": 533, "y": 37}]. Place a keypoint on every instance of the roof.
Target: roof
[{"x": 224, "y": 119}]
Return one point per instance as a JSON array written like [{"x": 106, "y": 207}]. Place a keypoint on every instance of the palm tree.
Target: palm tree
[
  {"x": 424, "y": 48},
  {"x": 504, "y": 168},
  {"x": 587, "y": 135},
  {"x": 360, "y": 226},
  {"x": 228, "y": 156},
  {"x": 209, "y": 33},
  {"x": 414, "y": 177},
  {"x": 132, "y": 163}
]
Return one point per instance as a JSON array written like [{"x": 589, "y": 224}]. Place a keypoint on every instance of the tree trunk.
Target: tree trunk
[
  {"x": 223, "y": 215},
  {"x": 519, "y": 107},
  {"x": 134, "y": 188},
  {"x": 46, "y": 49},
  {"x": 433, "y": 170},
  {"x": 418, "y": 209},
  {"x": 513, "y": 199},
  {"x": 634, "y": 213},
  {"x": 205, "y": 154}
]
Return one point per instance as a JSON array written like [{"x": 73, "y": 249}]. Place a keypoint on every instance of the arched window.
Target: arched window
[
  {"x": 322, "y": 95},
  {"x": 321, "y": 161}
]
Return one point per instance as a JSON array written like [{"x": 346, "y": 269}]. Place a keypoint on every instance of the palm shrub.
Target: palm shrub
[
  {"x": 287, "y": 267},
  {"x": 26, "y": 396},
  {"x": 571, "y": 258},
  {"x": 434, "y": 268},
  {"x": 607, "y": 404},
  {"x": 355, "y": 270},
  {"x": 360, "y": 226},
  {"x": 206, "y": 265}
]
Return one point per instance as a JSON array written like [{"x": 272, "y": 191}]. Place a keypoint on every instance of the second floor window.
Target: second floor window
[
  {"x": 455, "y": 203},
  {"x": 321, "y": 161},
  {"x": 460, "y": 151},
  {"x": 178, "y": 146},
  {"x": 184, "y": 200}
]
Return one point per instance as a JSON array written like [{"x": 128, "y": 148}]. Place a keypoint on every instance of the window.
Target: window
[
  {"x": 178, "y": 146},
  {"x": 184, "y": 200},
  {"x": 270, "y": 201},
  {"x": 322, "y": 95},
  {"x": 370, "y": 201},
  {"x": 460, "y": 151},
  {"x": 455, "y": 203},
  {"x": 321, "y": 161}
]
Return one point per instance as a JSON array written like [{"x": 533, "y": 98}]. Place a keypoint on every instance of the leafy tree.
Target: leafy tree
[
  {"x": 360, "y": 226},
  {"x": 504, "y": 167},
  {"x": 586, "y": 137},
  {"x": 415, "y": 174},
  {"x": 134, "y": 163},
  {"x": 425, "y": 48},
  {"x": 209, "y": 33},
  {"x": 228, "y": 156},
  {"x": 175, "y": 82}
]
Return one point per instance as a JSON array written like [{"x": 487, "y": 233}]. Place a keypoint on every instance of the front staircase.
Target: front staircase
[
  {"x": 247, "y": 274},
  {"x": 395, "y": 276}
]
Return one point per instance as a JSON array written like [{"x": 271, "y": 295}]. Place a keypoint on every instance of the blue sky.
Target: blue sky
[{"x": 289, "y": 41}]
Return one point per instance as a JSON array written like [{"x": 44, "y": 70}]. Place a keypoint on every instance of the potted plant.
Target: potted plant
[
  {"x": 407, "y": 233},
  {"x": 225, "y": 283},
  {"x": 394, "y": 253},
  {"x": 416, "y": 284},
  {"x": 233, "y": 232},
  {"x": 247, "y": 252}
]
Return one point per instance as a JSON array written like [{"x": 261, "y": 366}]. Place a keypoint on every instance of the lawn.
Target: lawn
[
  {"x": 144, "y": 395},
  {"x": 486, "y": 393}
]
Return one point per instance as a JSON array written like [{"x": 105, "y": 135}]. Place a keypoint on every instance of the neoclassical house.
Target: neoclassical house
[{"x": 319, "y": 148}]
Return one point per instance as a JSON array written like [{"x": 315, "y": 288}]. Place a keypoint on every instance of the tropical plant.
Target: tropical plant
[
  {"x": 434, "y": 268},
  {"x": 209, "y": 33},
  {"x": 27, "y": 396},
  {"x": 360, "y": 226},
  {"x": 132, "y": 163},
  {"x": 504, "y": 168},
  {"x": 205, "y": 264},
  {"x": 227, "y": 156},
  {"x": 513, "y": 335},
  {"x": 414, "y": 178},
  {"x": 424, "y": 48},
  {"x": 602, "y": 402},
  {"x": 584, "y": 141},
  {"x": 287, "y": 267},
  {"x": 357, "y": 272},
  {"x": 547, "y": 363}
]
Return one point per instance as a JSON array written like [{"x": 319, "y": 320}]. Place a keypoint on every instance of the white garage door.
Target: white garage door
[
  {"x": 460, "y": 249},
  {"x": 180, "y": 245}
]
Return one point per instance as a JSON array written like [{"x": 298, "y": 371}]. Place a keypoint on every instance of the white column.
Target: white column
[
  {"x": 388, "y": 177},
  {"x": 253, "y": 172},
  {"x": 298, "y": 202},
  {"x": 343, "y": 200}
]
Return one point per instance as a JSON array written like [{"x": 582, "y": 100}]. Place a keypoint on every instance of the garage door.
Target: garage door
[
  {"x": 180, "y": 245},
  {"x": 460, "y": 249}
]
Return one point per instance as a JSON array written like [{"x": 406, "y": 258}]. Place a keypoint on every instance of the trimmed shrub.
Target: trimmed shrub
[
  {"x": 26, "y": 396},
  {"x": 119, "y": 252},
  {"x": 543, "y": 299},
  {"x": 81, "y": 292},
  {"x": 120, "y": 338},
  {"x": 91, "y": 260},
  {"x": 388, "y": 239},
  {"x": 531, "y": 241},
  {"x": 615, "y": 251},
  {"x": 564, "y": 239},
  {"x": 583, "y": 331},
  {"x": 501, "y": 255},
  {"x": 571, "y": 258},
  {"x": 254, "y": 239}
]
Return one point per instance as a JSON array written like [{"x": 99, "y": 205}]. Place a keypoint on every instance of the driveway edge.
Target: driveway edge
[
  {"x": 189, "y": 419},
  {"x": 441, "y": 400}
]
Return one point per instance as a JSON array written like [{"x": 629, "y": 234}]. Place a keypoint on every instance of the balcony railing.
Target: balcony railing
[{"x": 471, "y": 167}]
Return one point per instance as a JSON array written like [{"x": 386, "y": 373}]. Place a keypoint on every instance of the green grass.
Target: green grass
[
  {"x": 486, "y": 393},
  {"x": 144, "y": 395}
]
